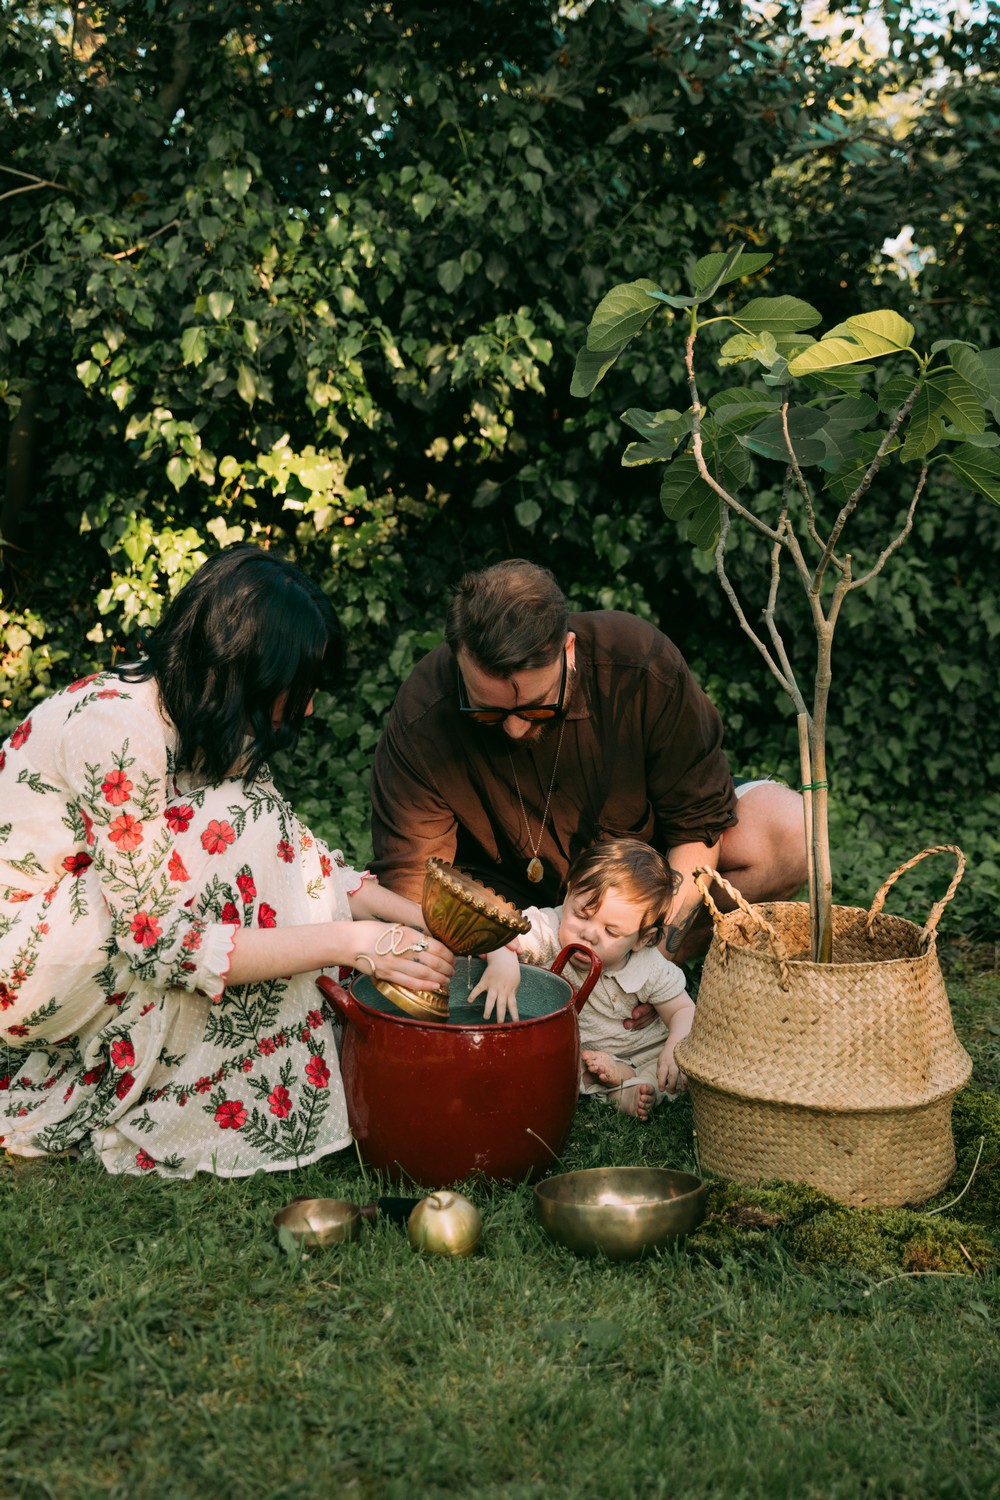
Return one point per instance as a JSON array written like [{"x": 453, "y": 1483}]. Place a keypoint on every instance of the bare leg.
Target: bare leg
[
  {"x": 625, "y": 1092},
  {"x": 763, "y": 856}
]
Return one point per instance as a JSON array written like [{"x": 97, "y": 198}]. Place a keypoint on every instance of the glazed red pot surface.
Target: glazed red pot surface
[{"x": 432, "y": 1102}]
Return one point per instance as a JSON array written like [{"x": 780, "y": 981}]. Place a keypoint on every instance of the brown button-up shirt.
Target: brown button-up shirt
[{"x": 641, "y": 757}]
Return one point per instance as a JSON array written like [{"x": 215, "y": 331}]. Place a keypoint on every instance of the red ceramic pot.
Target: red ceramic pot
[{"x": 431, "y": 1102}]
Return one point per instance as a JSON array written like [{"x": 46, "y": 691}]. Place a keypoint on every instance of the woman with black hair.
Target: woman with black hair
[{"x": 163, "y": 913}]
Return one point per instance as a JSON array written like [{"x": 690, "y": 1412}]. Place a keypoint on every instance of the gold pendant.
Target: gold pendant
[{"x": 535, "y": 870}]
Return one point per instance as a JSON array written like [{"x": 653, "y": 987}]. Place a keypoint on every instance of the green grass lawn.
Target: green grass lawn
[{"x": 159, "y": 1342}]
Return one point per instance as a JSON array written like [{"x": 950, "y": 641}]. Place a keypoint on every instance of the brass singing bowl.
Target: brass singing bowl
[
  {"x": 623, "y": 1212},
  {"x": 464, "y": 915},
  {"x": 318, "y": 1222}
]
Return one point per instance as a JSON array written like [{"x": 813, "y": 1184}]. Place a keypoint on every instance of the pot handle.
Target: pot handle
[
  {"x": 929, "y": 931},
  {"x": 581, "y": 995},
  {"x": 349, "y": 1012}
]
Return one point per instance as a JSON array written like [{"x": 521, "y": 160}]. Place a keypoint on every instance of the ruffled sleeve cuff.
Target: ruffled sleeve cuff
[
  {"x": 215, "y": 959},
  {"x": 351, "y": 880}
]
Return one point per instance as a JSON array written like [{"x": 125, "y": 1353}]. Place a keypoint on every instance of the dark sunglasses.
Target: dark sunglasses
[{"x": 532, "y": 712}]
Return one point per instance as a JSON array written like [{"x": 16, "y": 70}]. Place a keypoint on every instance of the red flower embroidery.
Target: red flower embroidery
[
  {"x": 7, "y": 997},
  {"x": 231, "y": 1115},
  {"x": 285, "y": 851},
  {"x": 88, "y": 826},
  {"x": 126, "y": 832},
  {"x": 265, "y": 915},
  {"x": 265, "y": 1046},
  {"x": 122, "y": 1053},
  {"x": 17, "y": 1031},
  {"x": 145, "y": 929},
  {"x": 230, "y": 913},
  {"x": 191, "y": 941},
  {"x": 75, "y": 864},
  {"x": 93, "y": 1074},
  {"x": 182, "y": 1100},
  {"x": 116, "y": 998},
  {"x": 68, "y": 1092},
  {"x": 326, "y": 864},
  {"x": 247, "y": 1065},
  {"x": 315, "y": 1018},
  {"x": 218, "y": 836},
  {"x": 203, "y": 1085},
  {"x": 317, "y": 1073},
  {"x": 247, "y": 888},
  {"x": 123, "y": 1085},
  {"x": 179, "y": 817},
  {"x": 3, "y": 759},
  {"x": 175, "y": 868},
  {"x": 144, "y": 1161},
  {"x": 116, "y": 788},
  {"x": 109, "y": 693},
  {"x": 5, "y": 1081},
  {"x": 280, "y": 1101},
  {"x": 81, "y": 682},
  {"x": 20, "y": 734}
]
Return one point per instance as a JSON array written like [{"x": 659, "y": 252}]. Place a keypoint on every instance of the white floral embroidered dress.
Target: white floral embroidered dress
[{"x": 121, "y": 885}]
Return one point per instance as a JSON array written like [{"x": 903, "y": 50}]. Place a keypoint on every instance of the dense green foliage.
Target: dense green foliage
[{"x": 317, "y": 275}]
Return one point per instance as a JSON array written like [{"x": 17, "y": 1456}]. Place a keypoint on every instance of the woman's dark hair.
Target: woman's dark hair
[{"x": 247, "y": 628}]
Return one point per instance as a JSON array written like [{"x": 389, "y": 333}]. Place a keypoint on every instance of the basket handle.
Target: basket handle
[
  {"x": 704, "y": 875},
  {"x": 929, "y": 930}
]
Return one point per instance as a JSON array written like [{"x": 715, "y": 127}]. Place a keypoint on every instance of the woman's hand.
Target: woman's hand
[{"x": 402, "y": 955}]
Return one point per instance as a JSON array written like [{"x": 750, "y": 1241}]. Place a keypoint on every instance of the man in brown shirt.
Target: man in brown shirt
[{"x": 533, "y": 732}]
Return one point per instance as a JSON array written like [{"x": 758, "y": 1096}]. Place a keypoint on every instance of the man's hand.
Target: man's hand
[{"x": 642, "y": 1015}]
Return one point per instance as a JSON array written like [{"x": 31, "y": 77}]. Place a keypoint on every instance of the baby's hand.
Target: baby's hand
[
  {"x": 499, "y": 985},
  {"x": 669, "y": 1078}
]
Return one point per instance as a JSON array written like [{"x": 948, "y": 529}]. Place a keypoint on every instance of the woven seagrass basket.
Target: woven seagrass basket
[{"x": 841, "y": 1075}]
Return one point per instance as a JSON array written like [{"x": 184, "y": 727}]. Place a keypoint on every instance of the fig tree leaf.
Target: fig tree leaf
[
  {"x": 690, "y": 502},
  {"x": 620, "y": 315}
]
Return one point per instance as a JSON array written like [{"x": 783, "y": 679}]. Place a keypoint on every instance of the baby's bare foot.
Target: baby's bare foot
[
  {"x": 625, "y": 1091},
  {"x": 606, "y": 1068}
]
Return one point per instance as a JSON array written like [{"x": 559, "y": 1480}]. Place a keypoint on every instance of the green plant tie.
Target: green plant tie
[{"x": 814, "y": 786}]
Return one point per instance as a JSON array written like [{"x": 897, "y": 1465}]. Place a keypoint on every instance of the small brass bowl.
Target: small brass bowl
[
  {"x": 318, "y": 1222},
  {"x": 620, "y": 1211}
]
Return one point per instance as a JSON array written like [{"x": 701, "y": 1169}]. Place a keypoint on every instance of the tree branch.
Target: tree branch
[
  {"x": 32, "y": 183},
  {"x": 862, "y": 489},
  {"x": 894, "y": 546}
]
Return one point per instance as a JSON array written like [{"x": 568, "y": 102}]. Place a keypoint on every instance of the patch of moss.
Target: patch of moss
[
  {"x": 816, "y": 1229},
  {"x": 884, "y": 1241},
  {"x": 975, "y": 1119},
  {"x": 843, "y": 1237},
  {"x": 744, "y": 1221}
]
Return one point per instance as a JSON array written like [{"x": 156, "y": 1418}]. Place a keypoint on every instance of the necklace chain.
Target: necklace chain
[{"x": 536, "y": 869}]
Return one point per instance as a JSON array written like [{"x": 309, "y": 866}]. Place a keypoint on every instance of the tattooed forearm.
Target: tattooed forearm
[{"x": 674, "y": 933}]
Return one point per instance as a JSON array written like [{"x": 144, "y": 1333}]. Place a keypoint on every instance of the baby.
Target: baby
[{"x": 618, "y": 894}]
